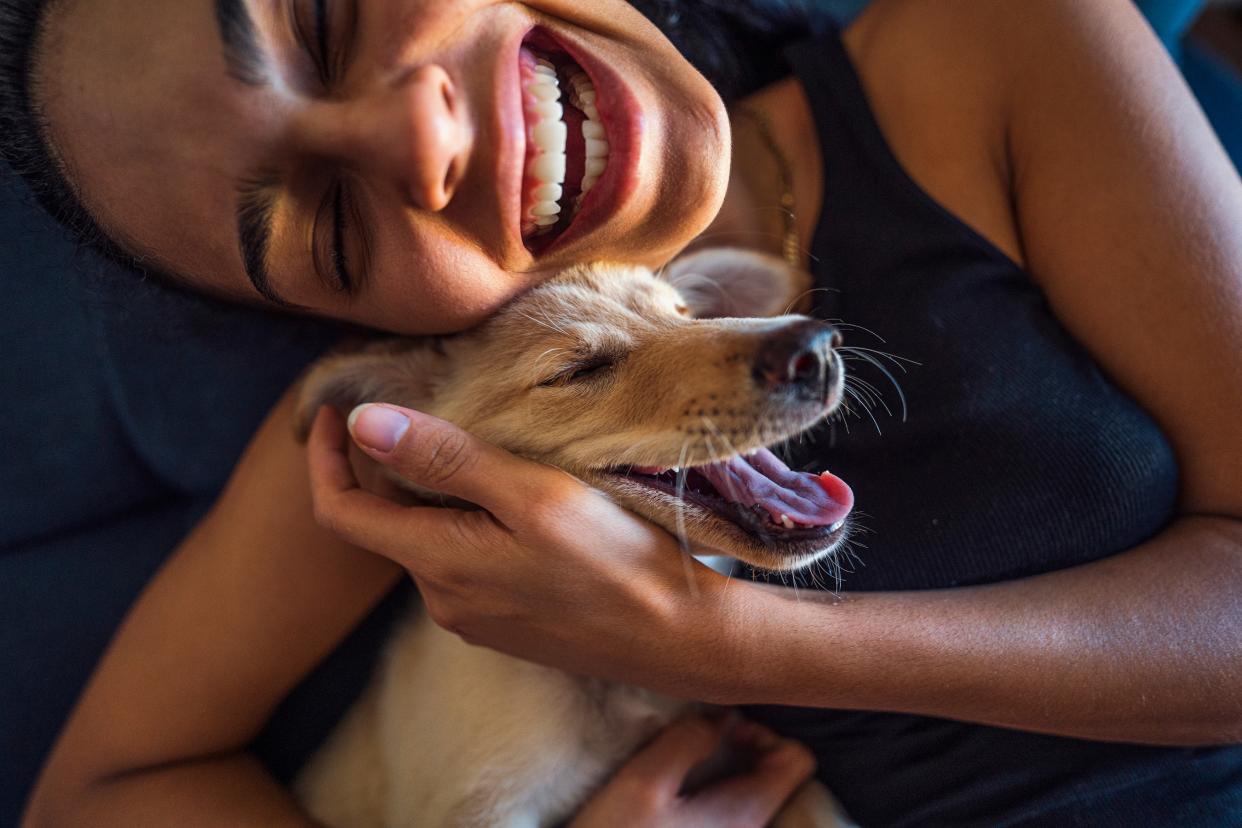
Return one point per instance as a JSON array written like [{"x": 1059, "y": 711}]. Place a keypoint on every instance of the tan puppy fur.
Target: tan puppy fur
[{"x": 600, "y": 369}]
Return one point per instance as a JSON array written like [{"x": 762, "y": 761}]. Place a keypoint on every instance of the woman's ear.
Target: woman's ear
[
  {"x": 401, "y": 372},
  {"x": 732, "y": 282}
]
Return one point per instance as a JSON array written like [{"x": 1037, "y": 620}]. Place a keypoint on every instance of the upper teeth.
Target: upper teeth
[{"x": 549, "y": 135}]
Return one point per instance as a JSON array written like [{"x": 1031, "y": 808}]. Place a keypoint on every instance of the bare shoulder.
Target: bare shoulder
[
  {"x": 1127, "y": 208},
  {"x": 929, "y": 70},
  {"x": 999, "y": 35}
]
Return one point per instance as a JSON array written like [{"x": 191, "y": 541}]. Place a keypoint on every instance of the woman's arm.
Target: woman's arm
[
  {"x": 1131, "y": 218},
  {"x": 1142, "y": 647},
  {"x": 252, "y": 600}
]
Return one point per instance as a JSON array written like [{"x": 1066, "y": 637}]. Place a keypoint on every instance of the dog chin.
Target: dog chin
[{"x": 707, "y": 533}]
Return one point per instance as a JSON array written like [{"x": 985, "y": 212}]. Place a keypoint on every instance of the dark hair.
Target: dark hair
[{"x": 736, "y": 44}]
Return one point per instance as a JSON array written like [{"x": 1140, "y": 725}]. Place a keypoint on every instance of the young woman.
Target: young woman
[{"x": 1023, "y": 198}]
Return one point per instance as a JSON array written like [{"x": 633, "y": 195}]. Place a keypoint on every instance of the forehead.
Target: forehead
[{"x": 133, "y": 102}]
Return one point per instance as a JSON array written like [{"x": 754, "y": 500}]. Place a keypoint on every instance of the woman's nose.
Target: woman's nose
[{"x": 412, "y": 131}]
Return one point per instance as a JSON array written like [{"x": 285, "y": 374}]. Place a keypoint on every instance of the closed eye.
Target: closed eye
[
  {"x": 326, "y": 32},
  {"x": 593, "y": 368}
]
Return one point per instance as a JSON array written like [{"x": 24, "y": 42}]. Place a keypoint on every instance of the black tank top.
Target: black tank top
[{"x": 1016, "y": 456}]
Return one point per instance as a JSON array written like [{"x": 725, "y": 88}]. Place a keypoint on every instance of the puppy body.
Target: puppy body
[
  {"x": 602, "y": 368},
  {"x": 456, "y": 735}
]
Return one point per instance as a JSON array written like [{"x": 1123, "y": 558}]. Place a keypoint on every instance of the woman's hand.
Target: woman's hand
[
  {"x": 552, "y": 571},
  {"x": 646, "y": 791}
]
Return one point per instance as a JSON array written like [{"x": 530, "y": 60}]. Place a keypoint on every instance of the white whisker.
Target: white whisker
[{"x": 687, "y": 557}]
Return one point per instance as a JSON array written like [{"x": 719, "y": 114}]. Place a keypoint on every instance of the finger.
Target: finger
[
  {"x": 367, "y": 520},
  {"x": 663, "y": 764},
  {"x": 442, "y": 457},
  {"x": 755, "y": 797}
]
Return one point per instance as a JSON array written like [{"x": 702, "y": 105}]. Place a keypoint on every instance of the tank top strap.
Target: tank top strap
[{"x": 867, "y": 190}]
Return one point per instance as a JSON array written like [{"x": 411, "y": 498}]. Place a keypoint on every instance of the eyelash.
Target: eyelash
[
  {"x": 329, "y": 60},
  {"x": 331, "y": 261},
  {"x": 320, "y": 35},
  {"x": 592, "y": 368}
]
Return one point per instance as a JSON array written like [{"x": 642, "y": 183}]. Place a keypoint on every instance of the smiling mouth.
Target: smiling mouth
[
  {"x": 567, "y": 147},
  {"x": 759, "y": 494}
]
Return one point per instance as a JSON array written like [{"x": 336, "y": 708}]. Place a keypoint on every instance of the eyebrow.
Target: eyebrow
[
  {"x": 256, "y": 199},
  {"x": 249, "y": 63},
  {"x": 256, "y": 207},
  {"x": 246, "y": 58}
]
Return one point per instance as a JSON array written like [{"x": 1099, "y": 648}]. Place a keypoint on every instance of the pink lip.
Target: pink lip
[
  {"x": 622, "y": 118},
  {"x": 511, "y": 145}
]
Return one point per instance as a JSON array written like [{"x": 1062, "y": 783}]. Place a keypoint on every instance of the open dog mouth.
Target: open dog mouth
[
  {"x": 567, "y": 147},
  {"x": 759, "y": 494}
]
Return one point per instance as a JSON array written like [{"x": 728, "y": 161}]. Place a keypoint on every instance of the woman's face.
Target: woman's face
[{"x": 377, "y": 160}]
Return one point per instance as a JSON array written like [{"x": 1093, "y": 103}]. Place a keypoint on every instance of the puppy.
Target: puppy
[{"x": 658, "y": 392}]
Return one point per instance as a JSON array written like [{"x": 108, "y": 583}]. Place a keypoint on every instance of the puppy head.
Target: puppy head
[{"x": 651, "y": 389}]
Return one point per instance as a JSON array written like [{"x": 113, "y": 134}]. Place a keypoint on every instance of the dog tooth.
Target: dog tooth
[
  {"x": 834, "y": 527},
  {"x": 786, "y": 522}
]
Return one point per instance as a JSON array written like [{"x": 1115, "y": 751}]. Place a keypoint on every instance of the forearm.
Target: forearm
[
  {"x": 233, "y": 790},
  {"x": 1145, "y": 646}
]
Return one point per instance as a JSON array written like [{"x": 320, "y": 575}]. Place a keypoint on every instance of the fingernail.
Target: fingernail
[{"x": 377, "y": 427}]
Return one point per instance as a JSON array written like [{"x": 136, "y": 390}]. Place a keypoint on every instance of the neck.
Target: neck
[{"x": 751, "y": 215}]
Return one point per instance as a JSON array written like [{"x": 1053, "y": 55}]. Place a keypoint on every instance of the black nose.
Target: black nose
[{"x": 798, "y": 359}]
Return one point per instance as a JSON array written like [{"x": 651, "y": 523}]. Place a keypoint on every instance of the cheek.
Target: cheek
[
  {"x": 423, "y": 299},
  {"x": 422, "y": 279}
]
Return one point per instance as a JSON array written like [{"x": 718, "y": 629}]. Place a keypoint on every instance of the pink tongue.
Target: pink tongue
[{"x": 762, "y": 479}]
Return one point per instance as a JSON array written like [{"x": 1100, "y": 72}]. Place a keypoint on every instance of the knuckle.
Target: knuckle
[
  {"x": 468, "y": 532},
  {"x": 443, "y": 459},
  {"x": 442, "y": 616},
  {"x": 324, "y": 514},
  {"x": 553, "y": 500},
  {"x": 801, "y": 761},
  {"x": 645, "y": 795}
]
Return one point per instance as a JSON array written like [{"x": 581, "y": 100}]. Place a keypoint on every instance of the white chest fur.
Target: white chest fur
[{"x": 454, "y": 735}]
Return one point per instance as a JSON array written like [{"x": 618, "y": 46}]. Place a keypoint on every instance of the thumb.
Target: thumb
[
  {"x": 437, "y": 455},
  {"x": 664, "y": 763},
  {"x": 755, "y": 797}
]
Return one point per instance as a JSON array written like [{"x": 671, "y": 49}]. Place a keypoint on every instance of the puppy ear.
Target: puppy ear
[
  {"x": 732, "y": 282},
  {"x": 402, "y": 372}
]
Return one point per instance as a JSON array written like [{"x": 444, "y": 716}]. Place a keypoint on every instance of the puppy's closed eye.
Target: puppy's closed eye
[{"x": 594, "y": 367}]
